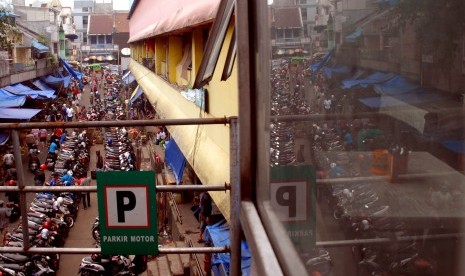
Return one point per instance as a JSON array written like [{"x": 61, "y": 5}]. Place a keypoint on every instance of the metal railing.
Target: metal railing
[{"x": 22, "y": 189}]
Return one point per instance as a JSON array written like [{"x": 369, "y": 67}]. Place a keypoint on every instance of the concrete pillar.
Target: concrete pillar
[
  {"x": 197, "y": 50},
  {"x": 174, "y": 56}
]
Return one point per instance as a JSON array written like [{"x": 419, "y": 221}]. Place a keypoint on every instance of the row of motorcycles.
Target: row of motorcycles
[
  {"x": 49, "y": 219},
  {"x": 118, "y": 156}
]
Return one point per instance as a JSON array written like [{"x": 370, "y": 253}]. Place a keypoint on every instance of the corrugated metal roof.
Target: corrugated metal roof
[
  {"x": 100, "y": 24},
  {"x": 287, "y": 18}
]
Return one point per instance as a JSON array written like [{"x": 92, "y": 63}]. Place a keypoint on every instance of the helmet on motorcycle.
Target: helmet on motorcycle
[
  {"x": 47, "y": 224},
  {"x": 70, "y": 172},
  {"x": 60, "y": 200},
  {"x": 12, "y": 182},
  {"x": 83, "y": 144},
  {"x": 43, "y": 167},
  {"x": 44, "y": 233}
]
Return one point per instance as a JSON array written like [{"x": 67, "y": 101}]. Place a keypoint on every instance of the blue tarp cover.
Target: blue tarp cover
[
  {"x": 317, "y": 66},
  {"x": 457, "y": 146},
  {"x": 128, "y": 77},
  {"x": 395, "y": 86},
  {"x": 23, "y": 90},
  {"x": 175, "y": 159},
  {"x": 8, "y": 99},
  {"x": 57, "y": 81},
  {"x": 355, "y": 35},
  {"x": 375, "y": 78},
  {"x": 218, "y": 234},
  {"x": 330, "y": 71},
  {"x": 41, "y": 48},
  {"x": 75, "y": 74},
  {"x": 18, "y": 113},
  {"x": 4, "y": 136},
  {"x": 136, "y": 94},
  {"x": 41, "y": 85}
]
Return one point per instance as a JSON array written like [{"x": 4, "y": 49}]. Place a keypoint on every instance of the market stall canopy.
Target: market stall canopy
[
  {"x": 8, "y": 99},
  {"x": 136, "y": 94},
  {"x": 56, "y": 82},
  {"x": 21, "y": 89},
  {"x": 175, "y": 159},
  {"x": 128, "y": 78},
  {"x": 75, "y": 74},
  {"x": 219, "y": 235},
  {"x": 18, "y": 113},
  {"x": 41, "y": 85},
  {"x": 41, "y": 48},
  {"x": 4, "y": 137}
]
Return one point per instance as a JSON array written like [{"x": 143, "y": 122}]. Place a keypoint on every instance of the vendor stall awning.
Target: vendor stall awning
[
  {"x": 54, "y": 81},
  {"x": 136, "y": 94},
  {"x": 128, "y": 78},
  {"x": 18, "y": 113},
  {"x": 75, "y": 74},
  {"x": 8, "y": 99},
  {"x": 41, "y": 48},
  {"x": 175, "y": 159},
  {"x": 41, "y": 85},
  {"x": 23, "y": 90},
  {"x": 4, "y": 137}
]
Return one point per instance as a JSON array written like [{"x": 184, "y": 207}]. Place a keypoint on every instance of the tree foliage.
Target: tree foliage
[
  {"x": 6, "y": 30},
  {"x": 439, "y": 27}
]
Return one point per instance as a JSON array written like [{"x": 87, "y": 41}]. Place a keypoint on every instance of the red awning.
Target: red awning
[{"x": 151, "y": 18}]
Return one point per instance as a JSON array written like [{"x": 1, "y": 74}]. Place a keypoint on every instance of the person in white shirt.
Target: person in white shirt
[
  {"x": 69, "y": 113},
  {"x": 161, "y": 136}
]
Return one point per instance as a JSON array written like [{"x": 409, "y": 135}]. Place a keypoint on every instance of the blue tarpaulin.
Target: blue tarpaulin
[
  {"x": 375, "y": 78},
  {"x": 41, "y": 48},
  {"x": 4, "y": 136},
  {"x": 330, "y": 71},
  {"x": 136, "y": 94},
  {"x": 317, "y": 66},
  {"x": 128, "y": 77},
  {"x": 18, "y": 113},
  {"x": 355, "y": 35},
  {"x": 395, "y": 86},
  {"x": 23, "y": 90},
  {"x": 51, "y": 80},
  {"x": 41, "y": 85},
  {"x": 75, "y": 74},
  {"x": 218, "y": 234},
  {"x": 457, "y": 146},
  {"x": 175, "y": 159},
  {"x": 8, "y": 99}
]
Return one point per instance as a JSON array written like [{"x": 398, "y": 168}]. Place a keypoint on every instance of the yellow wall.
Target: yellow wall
[
  {"x": 205, "y": 147},
  {"x": 197, "y": 50},
  {"x": 160, "y": 55},
  {"x": 223, "y": 95},
  {"x": 174, "y": 56}
]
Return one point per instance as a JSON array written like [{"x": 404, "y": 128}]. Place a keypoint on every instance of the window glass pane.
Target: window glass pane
[{"x": 367, "y": 176}]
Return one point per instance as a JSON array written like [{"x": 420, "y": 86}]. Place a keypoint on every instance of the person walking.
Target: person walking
[
  {"x": 205, "y": 213},
  {"x": 85, "y": 196},
  {"x": 99, "y": 162}
]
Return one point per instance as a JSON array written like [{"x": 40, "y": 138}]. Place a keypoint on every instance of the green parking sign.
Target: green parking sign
[{"x": 127, "y": 212}]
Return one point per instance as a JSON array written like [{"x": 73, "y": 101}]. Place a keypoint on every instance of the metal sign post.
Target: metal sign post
[{"x": 127, "y": 211}]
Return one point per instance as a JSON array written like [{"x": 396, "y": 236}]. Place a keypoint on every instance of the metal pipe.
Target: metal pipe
[
  {"x": 235, "y": 200},
  {"x": 98, "y": 124},
  {"x": 91, "y": 250},
  {"x": 159, "y": 188},
  {"x": 21, "y": 185}
]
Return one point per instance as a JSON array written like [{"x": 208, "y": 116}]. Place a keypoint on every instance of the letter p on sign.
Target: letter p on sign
[
  {"x": 289, "y": 200},
  {"x": 127, "y": 206}
]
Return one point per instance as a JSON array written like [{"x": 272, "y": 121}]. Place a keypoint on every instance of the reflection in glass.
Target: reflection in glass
[{"x": 380, "y": 86}]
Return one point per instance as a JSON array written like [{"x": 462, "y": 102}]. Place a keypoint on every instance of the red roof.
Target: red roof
[
  {"x": 287, "y": 18},
  {"x": 100, "y": 24},
  {"x": 122, "y": 22}
]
